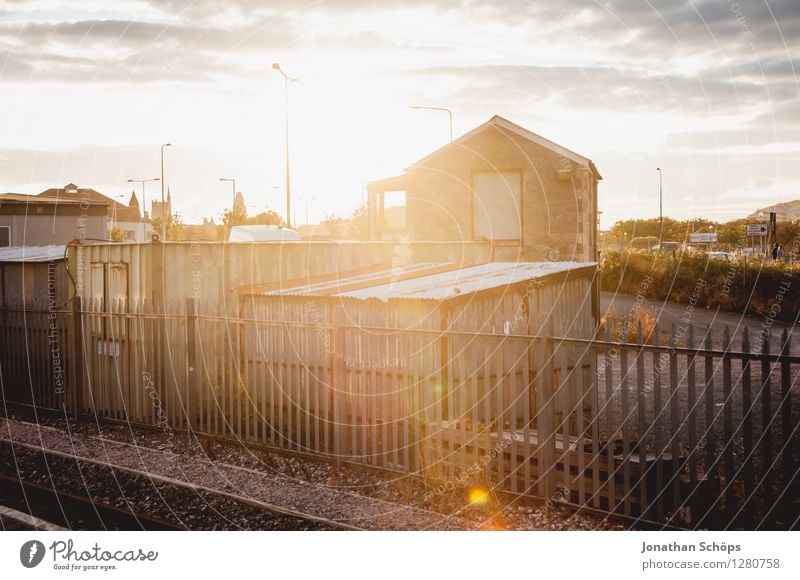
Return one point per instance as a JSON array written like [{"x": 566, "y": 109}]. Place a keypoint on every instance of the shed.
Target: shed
[
  {"x": 421, "y": 344},
  {"x": 33, "y": 276}
]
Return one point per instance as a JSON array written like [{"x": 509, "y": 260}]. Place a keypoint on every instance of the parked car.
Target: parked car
[{"x": 721, "y": 256}]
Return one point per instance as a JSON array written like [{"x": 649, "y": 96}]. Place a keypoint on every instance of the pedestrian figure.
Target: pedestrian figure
[
  {"x": 779, "y": 253},
  {"x": 775, "y": 251}
]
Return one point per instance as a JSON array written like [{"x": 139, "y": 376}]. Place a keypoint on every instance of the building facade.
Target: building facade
[
  {"x": 34, "y": 220},
  {"x": 530, "y": 197},
  {"x": 127, "y": 218}
]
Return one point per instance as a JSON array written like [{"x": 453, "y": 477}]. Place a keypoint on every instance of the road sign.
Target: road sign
[
  {"x": 703, "y": 238},
  {"x": 757, "y": 229}
]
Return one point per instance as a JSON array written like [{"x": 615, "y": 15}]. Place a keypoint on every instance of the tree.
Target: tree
[
  {"x": 232, "y": 218},
  {"x": 174, "y": 227},
  {"x": 355, "y": 227},
  {"x": 266, "y": 218},
  {"x": 336, "y": 225}
]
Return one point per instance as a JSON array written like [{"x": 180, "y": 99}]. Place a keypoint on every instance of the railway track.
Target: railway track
[
  {"x": 89, "y": 501},
  {"x": 602, "y": 519},
  {"x": 72, "y": 511}
]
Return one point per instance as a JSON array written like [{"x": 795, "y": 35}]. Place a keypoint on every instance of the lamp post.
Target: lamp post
[
  {"x": 448, "y": 111},
  {"x": 286, "y": 79},
  {"x": 660, "y": 205},
  {"x": 163, "y": 204},
  {"x": 144, "y": 199},
  {"x": 233, "y": 199},
  {"x": 307, "y": 199}
]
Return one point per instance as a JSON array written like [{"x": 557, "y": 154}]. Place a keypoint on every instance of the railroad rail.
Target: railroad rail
[
  {"x": 51, "y": 509},
  {"x": 617, "y": 521},
  {"x": 107, "y": 516},
  {"x": 375, "y": 513}
]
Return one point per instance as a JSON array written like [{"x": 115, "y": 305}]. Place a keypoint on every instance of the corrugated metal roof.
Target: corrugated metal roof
[
  {"x": 443, "y": 284},
  {"x": 32, "y": 253},
  {"x": 335, "y": 286}
]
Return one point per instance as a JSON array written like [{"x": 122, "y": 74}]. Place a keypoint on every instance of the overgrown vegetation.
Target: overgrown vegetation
[{"x": 760, "y": 287}]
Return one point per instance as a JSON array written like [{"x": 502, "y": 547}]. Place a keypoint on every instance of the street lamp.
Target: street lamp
[
  {"x": 448, "y": 111},
  {"x": 276, "y": 66},
  {"x": 660, "y": 205},
  {"x": 163, "y": 204},
  {"x": 307, "y": 199},
  {"x": 233, "y": 200},
  {"x": 144, "y": 198}
]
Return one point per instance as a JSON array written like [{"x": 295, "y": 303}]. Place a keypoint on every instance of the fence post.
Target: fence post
[
  {"x": 77, "y": 361},
  {"x": 339, "y": 384},
  {"x": 191, "y": 362}
]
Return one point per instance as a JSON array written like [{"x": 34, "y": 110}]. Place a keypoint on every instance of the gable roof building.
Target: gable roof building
[{"x": 528, "y": 196}]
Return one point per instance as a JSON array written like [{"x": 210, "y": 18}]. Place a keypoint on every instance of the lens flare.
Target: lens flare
[{"x": 478, "y": 496}]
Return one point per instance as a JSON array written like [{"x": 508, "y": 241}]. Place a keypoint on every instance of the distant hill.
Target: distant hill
[{"x": 786, "y": 212}]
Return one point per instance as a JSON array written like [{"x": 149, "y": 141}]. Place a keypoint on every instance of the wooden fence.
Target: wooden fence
[{"x": 678, "y": 429}]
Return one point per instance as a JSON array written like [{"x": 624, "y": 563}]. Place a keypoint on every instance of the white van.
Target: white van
[{"x": 241, "y": 234}]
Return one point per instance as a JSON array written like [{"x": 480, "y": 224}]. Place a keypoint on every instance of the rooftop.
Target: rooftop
[
  {"x": 21, "y": 198},
  {"x": 424, "y": 281},
  {"x": 30, "y": 254}
]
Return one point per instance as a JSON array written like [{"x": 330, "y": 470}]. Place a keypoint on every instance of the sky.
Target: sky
[{"x": 707, "y": 90}]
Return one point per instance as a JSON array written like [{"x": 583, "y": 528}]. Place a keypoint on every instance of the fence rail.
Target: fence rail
[{"x": 683, "y": 428}]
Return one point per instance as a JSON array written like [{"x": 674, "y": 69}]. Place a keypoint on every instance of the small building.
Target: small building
[
  {"x": 127, "y": 218},
  {"x": 419, "y": 347},
  {"x": 35, "y": 220},
  {"x": 34, "y": 277},
  {"x": 528, "y": 196}
]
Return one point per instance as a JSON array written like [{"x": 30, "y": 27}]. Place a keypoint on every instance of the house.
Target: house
[
  {"x": 127, "y": 218},
  {"x": 36, "y": 220},
  {"x": 529, "y": 197}
]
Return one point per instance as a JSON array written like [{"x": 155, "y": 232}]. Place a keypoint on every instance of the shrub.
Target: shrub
[{"x": 766, "y": 288}]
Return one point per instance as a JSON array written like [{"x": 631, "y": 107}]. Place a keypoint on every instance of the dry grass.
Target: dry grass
[{"x": 625, "y": 328}]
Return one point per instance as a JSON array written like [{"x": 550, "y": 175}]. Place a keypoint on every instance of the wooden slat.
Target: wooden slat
[
  {"x": 711, "y": 459},
  {"x": 788, "y": 437},
  {"x": 641, "y": 412},
  {"x": 674, "y": 423},
  {"x": 609, "y": 415},
  {"x": 766, "y": 480},
  {"x": 747, "y": 427},
  {"x": 625, "y": 427},
  {"x": 728, "y": 432},
  {"x": 658, "y": 426},
  {"x": 692, "y": 416}
]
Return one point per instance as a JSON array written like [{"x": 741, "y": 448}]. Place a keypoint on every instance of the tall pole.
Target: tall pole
[
  {"x": 448, "y": 111},
  {"x": 164, "y": 217},
  {"x": 307, "y": 199},
  {"x": 276, "y": 66},
  {"x": 233, "y": 199},
  {"x": 144, "y": 199},
  {"x": 660, "y": 205}
]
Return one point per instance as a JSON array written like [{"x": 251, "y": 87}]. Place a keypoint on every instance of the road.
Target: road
[{"x": 669, "y": 313}]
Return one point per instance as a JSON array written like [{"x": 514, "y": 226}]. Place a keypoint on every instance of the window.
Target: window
[
  {"x": 392, "y": 212},
  {"x": 5, "y": 236},
  {"x": 496, "y": 205}
]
